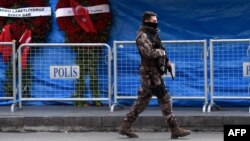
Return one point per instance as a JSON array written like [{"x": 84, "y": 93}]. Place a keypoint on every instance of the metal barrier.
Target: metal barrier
[
  {"x": 229, "y": 70},
  {"x": 9, "y": 82},
  {"x": 64, "y": 72},
  {"x": 189, "y": 61}
]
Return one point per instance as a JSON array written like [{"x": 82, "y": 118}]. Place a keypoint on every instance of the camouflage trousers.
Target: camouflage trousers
[{"x": 152, "y": 84}]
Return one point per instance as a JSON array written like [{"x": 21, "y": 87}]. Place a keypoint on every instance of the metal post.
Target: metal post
[
  {"x": 205, "y": 76},
  {"x": 14, "y": 57},
  {"x": 115, "y": 77},
  {"x": 211, "y": 76}
]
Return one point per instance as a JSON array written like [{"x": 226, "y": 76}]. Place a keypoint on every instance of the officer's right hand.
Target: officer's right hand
[{"x": 161, "y": 52}]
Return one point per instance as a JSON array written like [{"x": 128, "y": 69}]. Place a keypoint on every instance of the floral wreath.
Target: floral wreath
[
  {"x": 38, "y": 25},
  {"x": 22, "y": 28},
  {"x": 74, "y": 31}
]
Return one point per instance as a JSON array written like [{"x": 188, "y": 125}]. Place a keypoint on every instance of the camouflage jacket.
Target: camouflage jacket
[{"x": 150, "y": 47}]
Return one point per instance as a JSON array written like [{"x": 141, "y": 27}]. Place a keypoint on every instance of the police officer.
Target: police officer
[{"x": 151, "y": 52}]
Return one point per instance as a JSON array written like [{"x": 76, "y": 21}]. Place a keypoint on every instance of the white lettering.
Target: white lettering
[
  {"x": 64, "y": 72},
  {"x": 236, "y": 132},
  {"x": 243, "y": 131},
  {"x": 231, "y": 132}
]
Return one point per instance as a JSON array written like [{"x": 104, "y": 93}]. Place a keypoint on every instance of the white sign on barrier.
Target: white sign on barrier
[
  {"x": 64, "y": 72},
  {"x": 246, "y": 69}
]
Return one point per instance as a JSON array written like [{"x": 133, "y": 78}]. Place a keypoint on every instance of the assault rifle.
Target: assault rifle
[{"x": 166, "y": 68}]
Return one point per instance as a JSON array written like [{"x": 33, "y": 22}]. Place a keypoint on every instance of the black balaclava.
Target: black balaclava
[{"x": 151, "y": 24}]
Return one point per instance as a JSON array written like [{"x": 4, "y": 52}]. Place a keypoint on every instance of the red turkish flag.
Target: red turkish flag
[
  {"x": 5, "y": 37},
  {"x": 82, "y": 17},
  {"x": 26, "y": 38}
]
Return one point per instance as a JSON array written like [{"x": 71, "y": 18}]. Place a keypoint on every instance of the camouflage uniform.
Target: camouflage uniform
[{"x": 151, "y": 52}]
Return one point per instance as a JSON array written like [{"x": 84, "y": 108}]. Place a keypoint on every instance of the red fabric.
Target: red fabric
[
  {"x": 6, "y": 37},
  {"x": 26, "y": 38},
  {"x": 1, "y": 38},
  {"x": 82, "y": 17}
]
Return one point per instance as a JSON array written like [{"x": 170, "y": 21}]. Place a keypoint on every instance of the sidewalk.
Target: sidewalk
[
  {"x": 70, "y": 118},
  {"x": 107, "y": 136}
]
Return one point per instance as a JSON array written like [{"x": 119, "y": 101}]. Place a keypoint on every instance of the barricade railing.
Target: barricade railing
[
  {"x": 8, "y": 81},
  {"x": 229, "y": 70},
  {"x": 77, "y": 72},
  {"x": 189, "y": 63}
]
